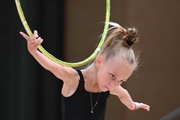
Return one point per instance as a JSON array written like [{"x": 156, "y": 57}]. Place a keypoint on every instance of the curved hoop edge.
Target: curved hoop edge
[{"x": 76, "y": 64}]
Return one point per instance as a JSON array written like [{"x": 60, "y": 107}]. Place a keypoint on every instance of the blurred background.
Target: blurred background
[{"x": 71, "y": 30}]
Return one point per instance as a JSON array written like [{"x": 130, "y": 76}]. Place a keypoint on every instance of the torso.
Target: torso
[{"x": 77, "y": 104}]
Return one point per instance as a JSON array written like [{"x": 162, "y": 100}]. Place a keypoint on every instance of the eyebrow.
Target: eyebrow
[{"x": 124, "y": 80}]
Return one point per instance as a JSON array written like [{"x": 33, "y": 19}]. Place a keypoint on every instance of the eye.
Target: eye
[
  {"x": 112, "y": 76},
  {"x": 120, "y": 81}
]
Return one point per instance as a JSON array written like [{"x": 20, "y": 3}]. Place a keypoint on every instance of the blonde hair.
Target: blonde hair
[{"x": 113, "y": 46}]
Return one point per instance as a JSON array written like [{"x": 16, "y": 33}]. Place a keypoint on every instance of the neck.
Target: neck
[{"x": 90, "y": 76}]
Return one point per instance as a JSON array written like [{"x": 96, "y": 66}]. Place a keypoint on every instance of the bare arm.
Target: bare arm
[
  {"x": 126, "y": 99},
  {"x": 58, "y": 70}
]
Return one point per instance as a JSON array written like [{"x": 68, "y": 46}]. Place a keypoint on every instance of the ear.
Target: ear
[{"x": 99, "y": 60}]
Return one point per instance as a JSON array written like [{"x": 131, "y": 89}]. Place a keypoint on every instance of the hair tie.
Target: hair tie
[{"x": 129, "y": 42}]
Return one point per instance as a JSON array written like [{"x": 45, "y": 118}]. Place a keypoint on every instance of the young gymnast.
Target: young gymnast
[{"x": 85, "y": 91}]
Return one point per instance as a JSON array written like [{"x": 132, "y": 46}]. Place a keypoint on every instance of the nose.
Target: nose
[{"x": 112, "y": 83}]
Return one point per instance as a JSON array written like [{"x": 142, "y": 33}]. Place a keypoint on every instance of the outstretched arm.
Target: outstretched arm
[
  {"x": 58, "y": 70},
  {"x": 126, "y": 99}
]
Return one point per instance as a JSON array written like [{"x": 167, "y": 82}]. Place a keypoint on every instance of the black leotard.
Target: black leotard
[{"x": 78, "y": 106}]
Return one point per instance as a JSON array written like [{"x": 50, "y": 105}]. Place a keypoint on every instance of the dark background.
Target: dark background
[
  {"x": 71, "y": 29},
  {"x": 27, "y": 91}
]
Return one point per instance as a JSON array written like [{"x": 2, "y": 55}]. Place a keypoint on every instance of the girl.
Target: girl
[{"x": 85, "y": 91}]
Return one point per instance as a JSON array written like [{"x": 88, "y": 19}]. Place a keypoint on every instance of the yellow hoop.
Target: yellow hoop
[{"x": 76, "y": 64}]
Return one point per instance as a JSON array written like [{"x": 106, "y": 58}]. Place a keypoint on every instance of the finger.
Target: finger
[
  {"x": 39, "y": 40},
  {"x": 24, "y": 35},
  {"x": 36, "y": 34},
  {"x": 36, "y": 42},
  {"x": 147, "y": 108}
]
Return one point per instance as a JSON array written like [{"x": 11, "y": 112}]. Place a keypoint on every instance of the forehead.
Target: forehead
[{"x": 119, "y": 66}]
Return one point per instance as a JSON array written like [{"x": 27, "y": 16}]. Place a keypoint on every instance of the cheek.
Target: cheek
[{"x": 102, "y": 79}]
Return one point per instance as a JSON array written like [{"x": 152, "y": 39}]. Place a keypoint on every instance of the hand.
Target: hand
[
  {"x": 32, "y": 42},
  {"x": 141, "y": 105}
]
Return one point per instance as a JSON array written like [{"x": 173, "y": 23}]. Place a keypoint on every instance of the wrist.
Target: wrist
[
  {"x": 33, "y": 52},
  {"x": 135, "y": 107}
]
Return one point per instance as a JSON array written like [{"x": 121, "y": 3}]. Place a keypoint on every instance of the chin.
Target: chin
[{"x": 104, "y": 90}]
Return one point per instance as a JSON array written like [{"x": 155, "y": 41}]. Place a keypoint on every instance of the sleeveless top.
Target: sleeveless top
[{"x": 78, "y": 105}]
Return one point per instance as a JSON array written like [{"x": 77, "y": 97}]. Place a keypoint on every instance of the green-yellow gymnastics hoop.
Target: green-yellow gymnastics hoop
[{"x": 76, "y": 64}]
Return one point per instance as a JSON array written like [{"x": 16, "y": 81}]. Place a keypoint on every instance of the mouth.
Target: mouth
[{"x": 107, "y": 87}]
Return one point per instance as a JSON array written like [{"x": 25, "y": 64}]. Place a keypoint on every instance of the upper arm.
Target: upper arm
[
  {"x": 62, "y": 72},
  {"x": 119, "y": 91}
]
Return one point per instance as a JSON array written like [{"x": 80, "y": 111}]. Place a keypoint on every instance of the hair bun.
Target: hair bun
[{"x": 130, "y": 37}]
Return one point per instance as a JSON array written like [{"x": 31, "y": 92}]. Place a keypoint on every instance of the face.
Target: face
[{"x": 112, "y": 73}]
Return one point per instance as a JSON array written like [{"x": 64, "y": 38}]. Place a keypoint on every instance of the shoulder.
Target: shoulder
[
  {"x": 65, "y": 73},
  {"x": 71, "y": 83}
]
